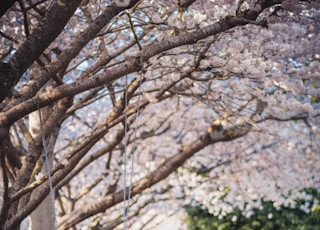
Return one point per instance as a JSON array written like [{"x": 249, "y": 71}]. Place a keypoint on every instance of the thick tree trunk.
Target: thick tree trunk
[{"x": 42, "y": 217}]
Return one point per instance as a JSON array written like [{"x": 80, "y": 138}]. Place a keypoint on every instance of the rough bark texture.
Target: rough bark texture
[{"x": 49, "y": 28}]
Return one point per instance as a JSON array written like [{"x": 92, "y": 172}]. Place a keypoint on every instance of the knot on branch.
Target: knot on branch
[
  {"x": 139, "y": 61},
  {"x": 216, "y": 126},
  {"x": 218, "y": 133}
]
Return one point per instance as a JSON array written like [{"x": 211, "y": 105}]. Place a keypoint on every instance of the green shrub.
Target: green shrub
[{"x": 267, "y": 218}]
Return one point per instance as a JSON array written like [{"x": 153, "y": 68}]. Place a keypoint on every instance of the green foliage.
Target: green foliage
[
  {"x": 315, "y": 100},
  {"x": 267, "y": 218}
]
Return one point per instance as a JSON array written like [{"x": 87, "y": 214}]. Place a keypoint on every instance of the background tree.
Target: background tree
[{"x": 233, "y": 85}]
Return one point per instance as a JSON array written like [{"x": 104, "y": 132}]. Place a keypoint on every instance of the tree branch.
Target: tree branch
[
  {"x": 5, "y": 5},
  {"x": 163, "y": 171},
  {"x": 131, "y": 65},
  {"x": 49, "y": 28}
]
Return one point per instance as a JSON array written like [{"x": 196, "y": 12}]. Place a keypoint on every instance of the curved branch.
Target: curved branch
[
  {"x": 30, "y": 160},
  {"x": 163, "y": 171},
  {"x": 61, "y": 171},
  {"x": 49, "y": 28},
  {"x": 131, "y": 65},
  {"x": 43, "y": 36}
]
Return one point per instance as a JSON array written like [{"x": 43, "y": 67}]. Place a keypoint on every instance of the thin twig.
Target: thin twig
[{"x": 133, "y": 30}]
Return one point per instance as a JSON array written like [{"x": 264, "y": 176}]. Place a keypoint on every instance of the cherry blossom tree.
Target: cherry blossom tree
[{"x": 159, "y": 103}]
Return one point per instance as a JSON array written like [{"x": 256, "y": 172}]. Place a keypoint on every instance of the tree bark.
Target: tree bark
[
  {"x": 43, "y": 216},
  {"x": 164, "y": 170},
  {"x": 49, "y": 28},
  {"x": 5, "y": 5},
  {"x": 130, "y": 66}
]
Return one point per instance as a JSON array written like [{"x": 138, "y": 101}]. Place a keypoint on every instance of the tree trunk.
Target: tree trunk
[{"x": 43, "y": 216}]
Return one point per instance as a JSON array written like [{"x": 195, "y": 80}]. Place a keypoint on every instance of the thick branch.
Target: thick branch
[
  {"x": 130, "y": 66},
  {"x": 5, "y": 5},
  {"x": 35, "y": 150},
  {"x": 43, "y": 192},
  {"x": 49, "y": 28},
  {"x": 163, "y": 171}
]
